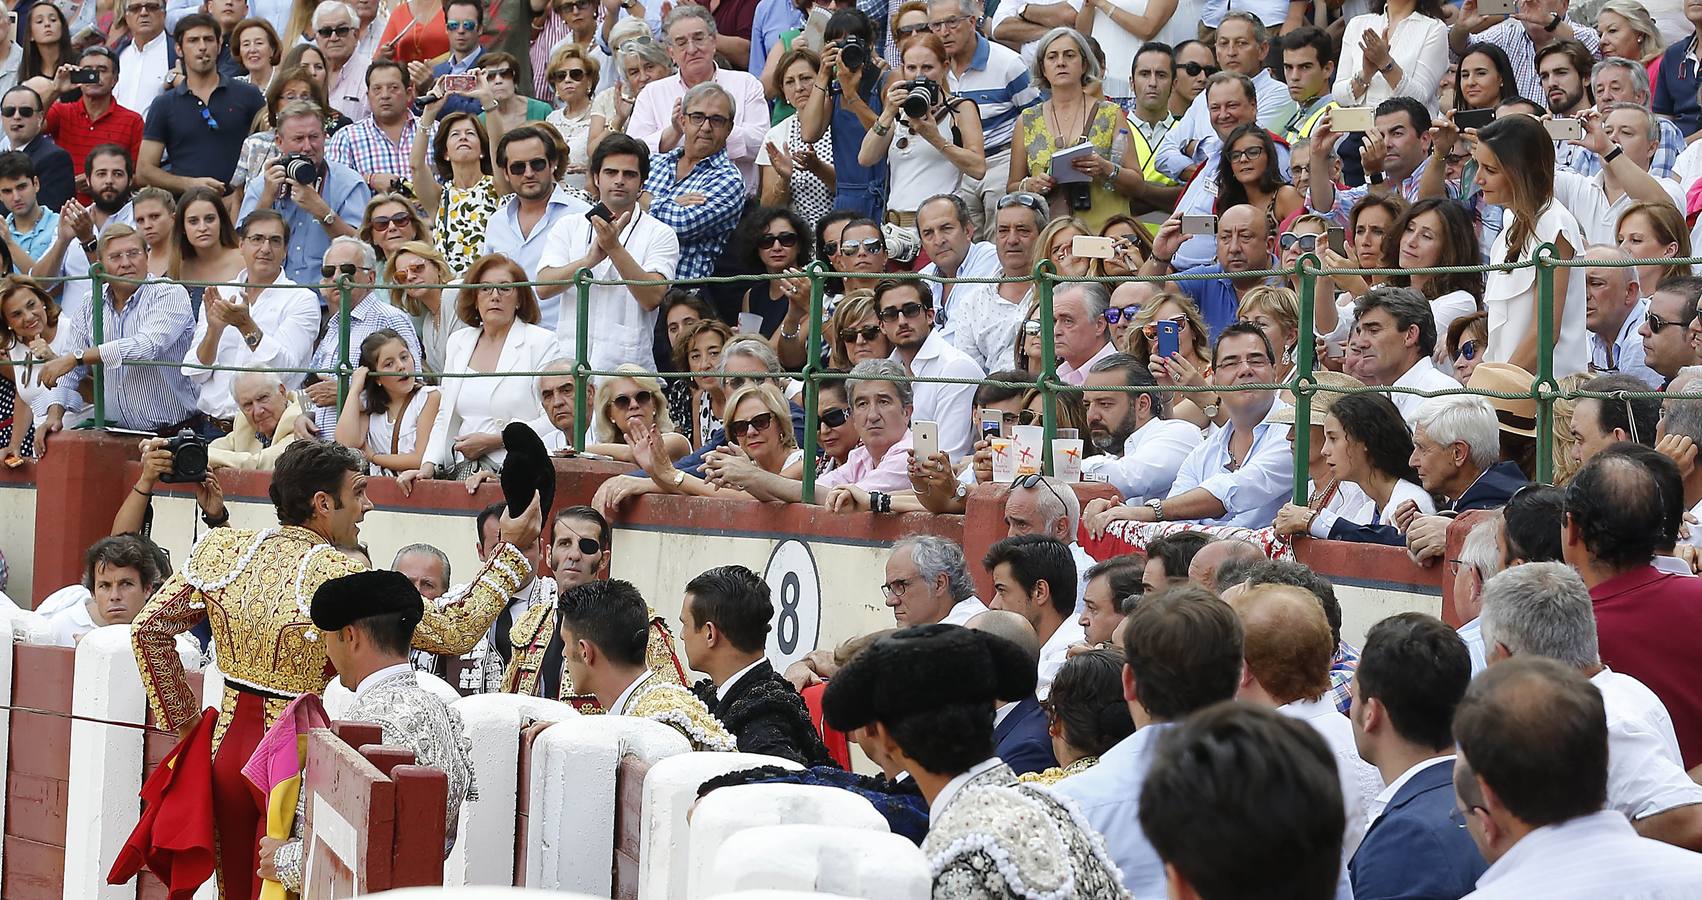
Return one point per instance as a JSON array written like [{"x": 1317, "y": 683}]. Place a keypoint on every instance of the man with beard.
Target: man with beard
[
  {"x": 183, "y": 122},
  {"x": 377, "y": 146},
  {"x": 330, "y": 206},
  {"x": 147, "y": 321},
  {"x": 23, "y": 133},
  {"x": 108, "y": 169},
  {"x": 906, "y": 313},
  {"x": 520, "y": 227},
  {"x": 1564, "y": 67},
  {"x": 1141, "y": 450}
]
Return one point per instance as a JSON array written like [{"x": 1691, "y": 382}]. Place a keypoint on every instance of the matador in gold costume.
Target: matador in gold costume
[{"x": 254, "y": 589}]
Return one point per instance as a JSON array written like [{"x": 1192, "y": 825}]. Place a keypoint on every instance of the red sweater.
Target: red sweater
[{"x": 1648, "y": 624}]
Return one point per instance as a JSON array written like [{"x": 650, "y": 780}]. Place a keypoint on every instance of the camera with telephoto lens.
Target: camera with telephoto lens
[
  {"x": 188, "y": 459},
  {"x": 923, "y": 94},
  {"x": 300, "y": 168},
  {"x": 853, "y": 52}
]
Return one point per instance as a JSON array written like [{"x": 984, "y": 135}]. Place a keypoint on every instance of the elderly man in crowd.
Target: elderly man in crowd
[
  {"x": 1543, "y": 609},
  {"x": 928, "y": 581},
  {"x": 1192, "y": 145},
  {"x": 264, "y": 427},
  {"x": 1396, "y": 334},
  {"x": 1597, "y": 201},
  {"x": 1244, "y": 472},
  {"x": 1614, "y": 310},
  {"x": 1482, "y": 557},
  {"x": 1080, "y": 335},
  {"x": 270, "y": 324},
  {"x": 689, "y": 33},
  {"x": 1533, "y": 770},
  {"x": 426, "y": 567},
  {"x": 988, "y": 316},
  {"x": 880, "y": 411},
  {"x": 341, "y": 32},
  {"x": 694, "y": 187},
  {"x": 329, "y": 207},
  {"x": 1244, "y": 244},
  {"x": 555, "y": 393},
  {"x": 1619, "y": 80},
  {"x": 1457, "y": 452},
  {"x": 146, "y": 54},
  {"x": 1140, "y": 450},
  {"x": 1044, "y": 505},
  {"x": 906, "y": 313}
]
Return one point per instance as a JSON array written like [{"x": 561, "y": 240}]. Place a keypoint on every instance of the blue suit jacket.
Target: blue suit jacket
[
  {"x": 1021, "y": 739},
  {"x": 1414, "y": 850}
]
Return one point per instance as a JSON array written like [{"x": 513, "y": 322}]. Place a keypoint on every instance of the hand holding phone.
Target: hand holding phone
[
  {"x": 1198, "y": 225},
  {"x": 1169, "y": 338},
  {"x": 925, "y": 439},
  {"x": 1087, "y": 246}
]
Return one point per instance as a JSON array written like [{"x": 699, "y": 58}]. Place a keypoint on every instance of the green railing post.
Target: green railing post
[
  {"x": 344, "y": 370},
  {"x": 812, "y": 387},
  {"x": 98, "y": 304},
  {"x": 1544, "y": 387},
  {"x": 582, "y": 349},
  {"x": 1043, "y": 272},
  {"x": 1304, "y": 381}
]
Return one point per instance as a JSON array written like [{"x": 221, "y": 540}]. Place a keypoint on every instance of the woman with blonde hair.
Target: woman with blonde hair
[
  {"x": 633, "y": 397},
  {"x": 1054, "y": 243},
  {"x": 855, "y": 331},
  {"x": 1629, "y": 32},
  {"x": 413, "y": 266},
  {"x": 390, "y": 220},
  {"x": 1654, "y": 231},
  {"x": 1190, "y": 365},
  {"x": 1277, "y": 313},
  {"x": 573, "y": 75}
]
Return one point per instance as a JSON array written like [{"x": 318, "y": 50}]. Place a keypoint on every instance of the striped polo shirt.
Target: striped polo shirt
[{"x": 998, "y": 82}]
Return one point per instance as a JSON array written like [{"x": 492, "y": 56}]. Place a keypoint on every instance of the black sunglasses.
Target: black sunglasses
[
  {"x": 1468, "y": 350},
  {"x": 908, "y": 30},
  {"x": 518, "y": 167},
  {"x": 1115, "y": 314},
  {"x": 866, "y": 334},
  {"x": 1308, "y": 242},
  {"x": 624, "y": 402},
  {"x": 1033, "y": 480},
  {"x": 784, "y": 239},
  {"x": 835, "y": 417},
  {"x": 10, "y": 111},
  {"x": 1194, "y": 69},
  {"x": 1657, "y": 324},
  {"x": 739, "y": 427},
  {"x": 909, "y": 311},
  {"x": 338, "y": 30},
  {"x": 345, "y": 269}
]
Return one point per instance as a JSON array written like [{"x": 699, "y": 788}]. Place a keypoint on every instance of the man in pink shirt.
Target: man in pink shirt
[
  {"x": 689, "y": 34},
  {"x": 880, "y": 410},
  {"x": 1080, "y": 334}
]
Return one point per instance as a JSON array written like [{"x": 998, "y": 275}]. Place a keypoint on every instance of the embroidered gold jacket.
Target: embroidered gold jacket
[{"x": 254, "y": 589}]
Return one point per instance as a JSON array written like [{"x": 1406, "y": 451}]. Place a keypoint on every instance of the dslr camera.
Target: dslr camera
[
  {"x": 853, "y": 52},
  {"x": 300, "y": 168},
  {"x": 922, "y": 95},
  {"x": 188, "y": 459}
]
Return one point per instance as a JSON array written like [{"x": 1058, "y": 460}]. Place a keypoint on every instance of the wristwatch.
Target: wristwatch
[
  {"x": 1211, "y": 410},
  {"x": 90, "y": 245},
  {"x": 1553, "y": 23},
  {"x": 328, "y": 218},
  {"x": 1375, "y": 177},
  {"x": 1157, "y": 507},
  {"x": 960, "y": 490},
  {"x": 679, "y": 477},
  {"x": 252, "y": 339}
]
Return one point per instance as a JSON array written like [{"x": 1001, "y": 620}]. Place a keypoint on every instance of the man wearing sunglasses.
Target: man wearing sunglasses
[
  {"x": 347, "y": 260},
  {"x": 195, "y": 129},
  {"x": 521, "y": 227},
  {"x": 338, "y": 30},
  {"x": 906, "y": 313},
  {"x": 1614, "y": 310},
  {"x": 464, "y": 21},
  {"x": 22, "y": 117},
  {"x": 1242, "y": 44},
  {"x": 987, "y": 317},
  {"x": 146, "y": 55},
  {"x": 329, "y": 207},
  {"x": 1665, "y": 330}
]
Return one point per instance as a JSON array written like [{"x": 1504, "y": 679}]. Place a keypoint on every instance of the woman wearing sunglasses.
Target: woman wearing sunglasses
[
  {"x": 573, "y": 74},
  {"x": 389, "y": 222},
  {"x": 776, "y": 241},
  {"x": 1056, "y": 242},
  {"x": 855, "y": 331},
  {"x": 638, "y": 61},
  {"x": 1191, "y": 364},
  {"x": 622, "y": 402},
  {"x": 759, "y": 424},
  {"x": 454, "y": 180},
  {"x": 415, "y": 265},
  {"x": 1467, "y": 338},
  {"x": 1309, "y": 233}
]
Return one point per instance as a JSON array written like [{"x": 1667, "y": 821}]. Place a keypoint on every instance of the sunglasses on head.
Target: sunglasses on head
[
  {"x": 867, "y": 334},
  {"x": 624, "y": 402},
  {"x": 383, "y": 223},
  {"x": 347, "y": 270},
  {"x": 866, "y": 245},
  {"x": 518, "y": 167},
  {"x": 784, "y": 239},
  {"x": 1024, "y": 198},
  {"x": 835, "y": 417},
  {"x": 1195, "y": 70},
  {"x": 909, "y": 311},
  {"x": 1033, "y": 480},
  {"x": 757, "y": 423}
]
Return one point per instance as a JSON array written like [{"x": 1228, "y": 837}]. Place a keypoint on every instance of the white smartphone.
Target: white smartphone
[
  {"x": 1564, "y": 129},
  {"x": 1193, "y": 225},
  {"x": 1087, "y": 246},
  {"x": 1344, "y": 119},
  {"x": 1495, "y": 7},
  {"x": 925, "y": 439}
]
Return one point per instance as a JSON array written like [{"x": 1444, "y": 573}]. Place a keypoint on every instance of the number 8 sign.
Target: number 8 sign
[{"x": 795, "y": 587}]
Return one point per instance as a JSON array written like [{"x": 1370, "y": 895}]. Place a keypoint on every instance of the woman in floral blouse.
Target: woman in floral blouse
[{"x": 457, "y": 190}]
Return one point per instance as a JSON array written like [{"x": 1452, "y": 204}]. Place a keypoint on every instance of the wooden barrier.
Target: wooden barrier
[{"x": 361, "y": 794}]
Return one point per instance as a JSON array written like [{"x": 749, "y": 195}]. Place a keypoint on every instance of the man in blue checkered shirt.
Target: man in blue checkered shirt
[{"x": 695, "y": 189}]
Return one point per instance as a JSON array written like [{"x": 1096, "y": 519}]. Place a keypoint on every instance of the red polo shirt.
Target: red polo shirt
[
  {"x": 69, "y": 124},
  {"x": 1648, "y": 624}
]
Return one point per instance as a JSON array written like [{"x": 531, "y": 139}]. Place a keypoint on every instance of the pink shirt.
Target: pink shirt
[
  {"x": 890, "y": 475},
  {"x": 1075, "y": 376}
]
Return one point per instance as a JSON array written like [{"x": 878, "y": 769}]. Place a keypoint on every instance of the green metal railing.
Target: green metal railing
[{"x": 1302, "y": 384}]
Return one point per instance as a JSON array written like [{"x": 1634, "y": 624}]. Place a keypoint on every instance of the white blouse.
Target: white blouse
[
  {"x": 1419, "y": 45},
  {"x": 27, "y": 373},
  {"x": 919, "y": 169},
  {"x": 1511, "y": 299},
  {"x": 387, "y": 434},
  {"x": 487, "y": 405}
]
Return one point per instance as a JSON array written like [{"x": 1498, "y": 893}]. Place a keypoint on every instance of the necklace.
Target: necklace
[{"x": 1058, "y": 134}]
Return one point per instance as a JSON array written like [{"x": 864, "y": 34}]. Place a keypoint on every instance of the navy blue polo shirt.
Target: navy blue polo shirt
[{"x": 203, "y": 140}]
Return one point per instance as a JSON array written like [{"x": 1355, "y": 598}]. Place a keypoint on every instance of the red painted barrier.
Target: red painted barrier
[{"x": 375, "y": 821}]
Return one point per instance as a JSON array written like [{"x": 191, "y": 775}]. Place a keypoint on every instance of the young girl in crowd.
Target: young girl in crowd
[{"x": 386, "y": 414}]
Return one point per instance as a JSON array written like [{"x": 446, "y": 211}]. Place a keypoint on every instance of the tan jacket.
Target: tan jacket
[{"x": 241, "y": 448}]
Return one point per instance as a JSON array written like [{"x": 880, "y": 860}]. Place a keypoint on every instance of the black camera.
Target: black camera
[
  {"x": 1080, "y": 194},
  {"x": 300, "y": 168},
  {"x": 188, "y": 459},
  {"x": 85, "y": 76},
  {"x": 853, "y": 52},
  {"x": 923, "y": 94}
]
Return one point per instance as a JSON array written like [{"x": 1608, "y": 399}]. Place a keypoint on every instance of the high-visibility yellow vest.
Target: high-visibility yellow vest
[
  {"x": 1148, "y": 158},
  {"x": 1303, "y": 130}
]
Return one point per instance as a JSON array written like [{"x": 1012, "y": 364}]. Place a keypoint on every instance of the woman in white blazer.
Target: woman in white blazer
[{"x": 504, "y": 336}]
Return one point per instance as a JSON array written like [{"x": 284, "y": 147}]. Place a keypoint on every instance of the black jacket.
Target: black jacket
[
  {"x": 53, "y": 167},
  {"x": 765, "y": 714}
]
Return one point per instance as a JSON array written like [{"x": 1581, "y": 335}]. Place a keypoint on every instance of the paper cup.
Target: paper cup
[
  {"x": 750, "y": 323},
  {"x": 1066, "y": 459},
  {"x": 1004, "y": 459},
  {"x": 1029, "y": 445}
]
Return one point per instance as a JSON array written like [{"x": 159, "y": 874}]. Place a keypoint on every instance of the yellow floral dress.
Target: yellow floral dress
[
  {"x": 1040, "y": 144},
  {"x": 463, "y": 217}
]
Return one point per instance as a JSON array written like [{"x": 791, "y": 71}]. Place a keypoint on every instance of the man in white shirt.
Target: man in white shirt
[
  {"x": 521, "y": 226},
  {"x": 145, "y": 57},
  {"x": 1532, "y": 775},
  {"x": 1625, "y": 136},
  {"x": 1034, "y": 576},
  {"x": 555, "y": 393},
  {"x": 689, "y": 34},
  {"x": 121, "y": 572},
  {"x": 948, "y": 236},
  {"x": 1412, "y": 673},
  {"x": 1481, "y": 558},
  {"x": 1544, "y": 610},
  {"x": 927, "y": 581},
  {"x": 1182, "y": 652},
  {"x": 906, "y": 313},
  {"x": 1396, "y": 335},
  {"x": 1080, "y": 335},
  {"x": 988, "y": 316},
  {"x": 1140, "y": 450},
  {"x": 1192, "y": 145},
  {"x": 1614, "y": 308},
  {"x": 270, "y": 324},
  {"x": 1243, "y": 473},
  {"x": 632, "y": 245}
]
